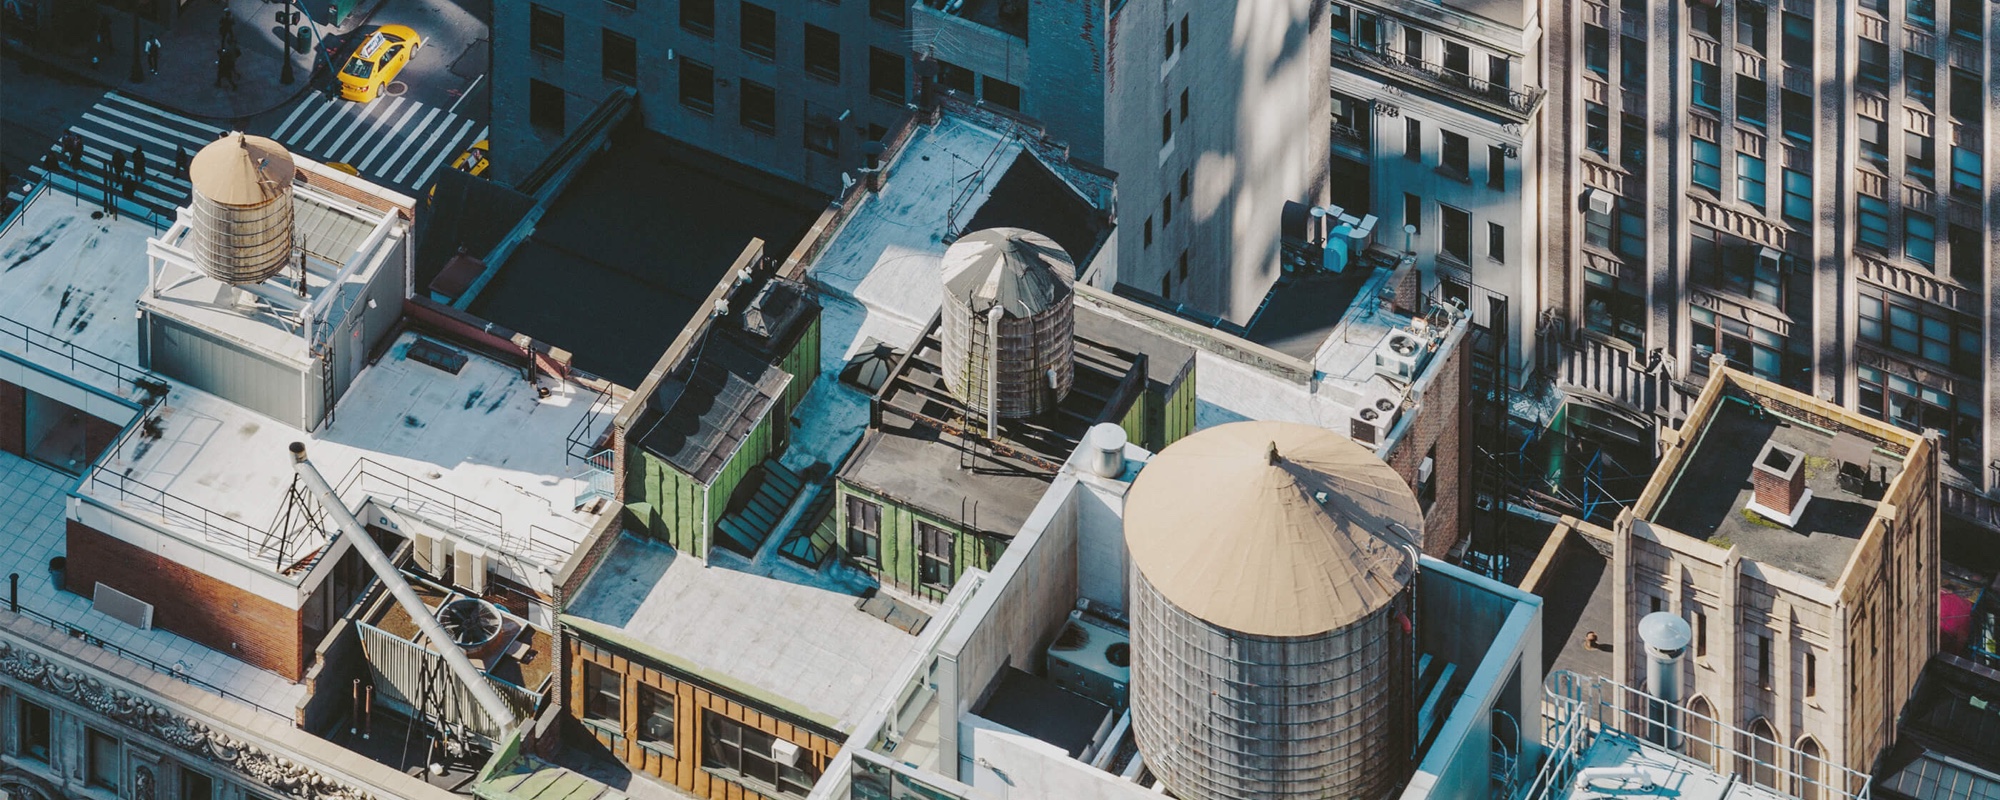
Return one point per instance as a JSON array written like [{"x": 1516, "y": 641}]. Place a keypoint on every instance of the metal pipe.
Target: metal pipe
[
  {"x": 488, "y": 699},
  {"x": 993, "y": 373}
]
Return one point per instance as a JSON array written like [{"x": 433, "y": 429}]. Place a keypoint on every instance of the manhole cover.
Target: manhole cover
[{"x": 394, "y": 89}]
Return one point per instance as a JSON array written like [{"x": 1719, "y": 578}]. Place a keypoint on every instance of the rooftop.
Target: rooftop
[
  {"x": 1709, "y": 494},
  {"x": 1670, "y": 774},
  {"x": 627, "y": 254},
  {"x": 1948, "y": 737},
  {"x": 1580, "y": 590},
  {"x": 767, "y": 627},
  {"x": 407, "y": 433}
]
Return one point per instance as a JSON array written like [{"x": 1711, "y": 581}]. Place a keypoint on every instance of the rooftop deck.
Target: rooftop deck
[
  {"x": 70, "y": 284},
  {"x": 1710, "y": 493},
  {"x": 767, "y": 627}
]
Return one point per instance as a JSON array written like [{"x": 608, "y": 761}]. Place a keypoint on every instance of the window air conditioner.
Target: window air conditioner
[{"x": 1599, "y": 201}]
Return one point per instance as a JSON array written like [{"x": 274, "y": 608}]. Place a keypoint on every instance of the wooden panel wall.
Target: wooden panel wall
[
  {"x": 682, "y": 767},
  {"x": 899, "y": 544}
]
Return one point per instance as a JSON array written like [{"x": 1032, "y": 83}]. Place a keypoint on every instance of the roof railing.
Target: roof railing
[{"x": 1517, "y": 104}]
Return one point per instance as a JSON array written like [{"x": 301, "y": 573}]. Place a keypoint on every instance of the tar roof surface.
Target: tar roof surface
[
  {"x": 779, "y": 628},
  {"x": 1712, "y": 488},
  {"x": 626, "y": 256},
  {"x": 922, "y": 468}
]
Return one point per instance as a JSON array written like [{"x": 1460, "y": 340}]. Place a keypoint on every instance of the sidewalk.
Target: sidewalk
[{"x": 185, "y": 83}]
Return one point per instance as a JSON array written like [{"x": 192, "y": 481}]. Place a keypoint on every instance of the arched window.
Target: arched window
[
  {"x": 1699, "y": 731},
  {"x": 1810, "y": 764},
  {"x": 1761, "y": 765}
]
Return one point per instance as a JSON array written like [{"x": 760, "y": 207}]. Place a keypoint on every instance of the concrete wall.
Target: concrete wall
[{"x": 1256, "y": 135}]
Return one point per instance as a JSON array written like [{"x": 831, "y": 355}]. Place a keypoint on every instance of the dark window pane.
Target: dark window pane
[
  {"x": 759, "y": 31},
  {"x": 892, "y": 11},
  {"x": 885, "y": 75},
  {"x": 621, "y": 58},
  {"x": 822, "y": 53},
  {"x": 1001, "y": 93},
  {"x": 758, "y": 109},
  {"x": 545, "y": 31},
  {"x": 545, "y": 106},
  {"x": 1457, "y": 226},
  {"x": 698, "y": 16},
  {"x": 697, "y": 85}
]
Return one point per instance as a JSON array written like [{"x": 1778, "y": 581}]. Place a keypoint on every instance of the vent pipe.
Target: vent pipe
[
  {"x": 1107, "y": 450},
  {"x": 1666, "y": 637},
  {"x": 488, "y": 699}
]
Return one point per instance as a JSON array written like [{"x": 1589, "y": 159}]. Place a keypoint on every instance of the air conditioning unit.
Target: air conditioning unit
[
  {"x": 429, "y": 553},
  {"x": 1398, "y": 354},
  {"x": 1425, "y": 469},
  {"x": 1372, "y": 421},
  {"x": 1599, "y": 201},
  {"x": 785, "y": 752},
  {"x": 469, "y": 569},
  {"x": 1092, "y": 660}
]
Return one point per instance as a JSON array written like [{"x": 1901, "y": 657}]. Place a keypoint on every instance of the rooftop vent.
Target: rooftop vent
[
  {"x": 472, "y": 623},
  {"x": 1778, "y": 481}
]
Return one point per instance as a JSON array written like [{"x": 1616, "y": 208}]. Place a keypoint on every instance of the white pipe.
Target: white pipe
[
  {"x": 993, "y": 373},
  {"x": 483, "y": 692}
]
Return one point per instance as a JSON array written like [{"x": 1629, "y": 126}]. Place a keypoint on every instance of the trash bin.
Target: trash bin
[{"x": 58, "y": 571}]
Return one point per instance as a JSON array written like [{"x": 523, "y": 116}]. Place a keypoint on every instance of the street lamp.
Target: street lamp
[{"x": 285, "y": 20}]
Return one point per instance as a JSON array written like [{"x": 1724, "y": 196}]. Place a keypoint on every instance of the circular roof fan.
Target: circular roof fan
[
  {"x": 472, "y": 622},
  {"x": 1119, "y": 654},
  {"x": 1403, "y": 344}
]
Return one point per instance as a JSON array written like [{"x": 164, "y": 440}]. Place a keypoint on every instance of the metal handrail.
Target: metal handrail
[
  {"x": 33, "y": 339},
  {"x": 1398, "y": 62}
]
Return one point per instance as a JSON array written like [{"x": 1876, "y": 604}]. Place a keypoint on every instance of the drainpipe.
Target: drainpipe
[
  {"x": 488, "y": 699},
  {"x": 993, "y": 373}
]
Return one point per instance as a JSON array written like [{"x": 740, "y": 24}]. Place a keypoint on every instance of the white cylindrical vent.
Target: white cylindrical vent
[
  {"x": 242, "y": 208},
  {"x": 1270, "y": 604},
  {"x": 1107, "y": 450},
  {"x": 1666, "y": 637},
  {"x": 1022, "y": 363}
]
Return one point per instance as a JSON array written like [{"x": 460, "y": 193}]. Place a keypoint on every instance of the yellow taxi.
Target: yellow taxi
[
  {"x": 377, "y": 61},
  {"x": 473, "y": 161}
]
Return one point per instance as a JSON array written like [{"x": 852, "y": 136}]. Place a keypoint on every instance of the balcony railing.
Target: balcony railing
[
  {"x": 1392, "y": 62},
  {"x": 1349, "y": 135}
]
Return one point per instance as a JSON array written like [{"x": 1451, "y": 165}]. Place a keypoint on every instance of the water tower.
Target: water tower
[
  {"x": 1008, "y": 322},
  {"x": 241, "y": 208}
]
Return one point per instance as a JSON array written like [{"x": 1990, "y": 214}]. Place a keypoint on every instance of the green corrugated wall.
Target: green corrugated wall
[
  {"x": 755, "y": 448},
  {"x": 899, "y": 543},
  {"x": 664, "y": 502},
  {"x": 802, "y": 363},
  {"x": 1155, "y": 421}
]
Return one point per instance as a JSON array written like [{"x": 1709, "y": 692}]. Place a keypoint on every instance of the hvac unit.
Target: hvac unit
[
  {"x": 1397, "y": 355},
  {"x": 1371, "y": 422},
  {"x": 1425, "y": 469},
  {"x": 122, "y": 607},
  {"x": 785, "y": 752},
  {"x": 1598, "y": 201},
  {"x": 469, "y": 569},
  {"x": 430, "y": 553},
  {"x": 1092, "y": 660}
]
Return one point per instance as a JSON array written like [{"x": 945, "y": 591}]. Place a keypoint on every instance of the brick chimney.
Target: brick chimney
[{"x": 1779, "y": 481}]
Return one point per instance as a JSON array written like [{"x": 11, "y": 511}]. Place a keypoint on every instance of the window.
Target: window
[
  {"x": 1167, "y": 287},
  {"x": 1967, "y": 20},
  {"x": 1597, "y": 128},
  {"x": 1149, "y": 232},
  {"x": 545, "y": 105},
  {"x": 1874, "y": 134},
  {"x": 757, "y": 107},
  {"x": 822, "y": 53},
  {"x": 656, "y": 719},
  {"x": 1413, "y": 139},
  {"x": 1812, "y": 674},
  {"x": 1874, "y": 72},
  {"x": 1755, "y": 273},
  {"x": 697, "y": 85},
  {"x": 602, "y": 691},
  {"x": 1707, "y": 20},
  {"x": 1911, "y": 405},
  {"x": 1413, "y": 211},
  {"x": 1457, "y": 58},
  {"x": 1965, "y": 168},
  {"x": 1762, "y": 765},
  {"x": 1183, "y": 269},
  {"x": 1632, "y": 141},
  {"x": 1872, "y": 216},
  {"x": 698, "y": 16},
  {"x": 1750, "y": 26},
  {"x": 751, "y": 756},
  {"x": 1184, "y": 31},
  {"x": 1919, "y": 238},
  {"x": 1920, "y": 79},
  {"x": 1499, "y": 71},
  {"x": 1597, "y": 49},
  {"x": 1496, "y": 167},
  {"x": 1367, "y": 31},
  {"x": 1596, "y": 228},
  {"x": 102, "y": 771},
  {"x": 885, "y": 75},
  {"x": 890, "y": 11},
  {"x": 1750, "y": 179},
  {"x": 545, "y": 31},
  {"x": 1454, "y": 155},
  {"x": 864, "y": 530},
  {"x": 1496, "y": 242},
  {"x": 1798, "y": 196},
  {"x": 1877, "y": 6},
  {"x": 934, "y": 547},
  {"x": 1342, "y": 21},
  {"x": 956, "y": 78},
  {"x": 1763, "y": 661},
  {"x": 1966, "y": 98},
  {"x": 1184, "y": 105},
  {"x": 1920, "y": 156},
  {"x": 1700, "y": 633},
  {"x": 1187, "y": 186},
  {"x": 1707, "y": 164},
  {"x": 1166, "y": 129},
  {"x": 1921, "y": 12},
  {"x": 1413, "y": 43},
  {"x": 1752, "y": 100},
  {"x": 1001, "y": 93},
  {"x": 1631, "y": 235},
  {"x": 1457, "y": 228},
  {"x": 620, "y": 56},
  {"x": 1166, "y": 210},
  {"x": 1966, "y": 265},
  {"x": 1797, "y": 113},
  {"x": 196, "y": 786},
  {"x": 758, "y": 33},
  {"x": 1706, "y": 93},
  {"x": 34, "y": 731},
  {"x": 1797, "y": 48},
  {"x": 1756, "y": 350},
  {"x": 1632, "y": 63}
]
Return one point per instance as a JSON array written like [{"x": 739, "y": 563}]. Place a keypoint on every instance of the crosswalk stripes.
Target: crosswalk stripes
[
  {"x": 394, "y": 141},
  {"x": 116, "y": 125}
]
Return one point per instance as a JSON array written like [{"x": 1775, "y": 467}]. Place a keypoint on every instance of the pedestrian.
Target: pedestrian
[
  {"x": 153, "y": 54},
  {"x": 138, "y": 164},
  {"x": 225, "y": 28},
  {"x": 180, "y": 162},
  {"x": 73, "y": 148},
  {"x": 227, "y": 66}
]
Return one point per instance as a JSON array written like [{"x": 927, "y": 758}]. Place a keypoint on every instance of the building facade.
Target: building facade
[
  {"x": 1437, "y": 123},
  {"x": 1805, "y": 189}
]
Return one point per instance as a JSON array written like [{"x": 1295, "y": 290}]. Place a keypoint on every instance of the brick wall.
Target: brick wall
[
  {"x": 190, "y": 603},
  {"x": 13, "y": 436},
  {"x": 1440, "y": 423}
]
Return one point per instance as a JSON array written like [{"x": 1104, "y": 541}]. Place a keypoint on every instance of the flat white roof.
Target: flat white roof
[
  {"x": 483, "y": 440},
  {"x": 783, "y": 630},
  {"x": 1668, "y": 773},
  {"x": 68, "y": 281}
]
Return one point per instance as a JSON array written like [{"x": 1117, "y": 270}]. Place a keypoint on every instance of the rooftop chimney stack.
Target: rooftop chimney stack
[{"x": 1779, "y": 480}]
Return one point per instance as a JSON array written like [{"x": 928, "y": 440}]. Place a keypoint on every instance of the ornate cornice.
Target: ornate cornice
[{"x": 190, "y": 736}]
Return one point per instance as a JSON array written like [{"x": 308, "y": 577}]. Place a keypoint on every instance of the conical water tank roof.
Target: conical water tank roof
[
  {"x": 241, "y": 208},
  {"x": 1272, "y": 528},
  {"x": 1023, "y": 272}
]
